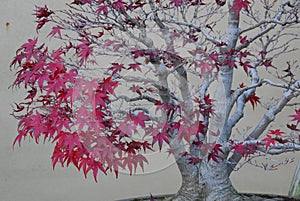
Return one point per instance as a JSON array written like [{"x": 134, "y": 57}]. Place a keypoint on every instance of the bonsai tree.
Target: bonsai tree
[{"x": 117, "y": 79}]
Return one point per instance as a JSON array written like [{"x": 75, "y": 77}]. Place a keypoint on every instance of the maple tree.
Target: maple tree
[{"x": 162, "y": 71}]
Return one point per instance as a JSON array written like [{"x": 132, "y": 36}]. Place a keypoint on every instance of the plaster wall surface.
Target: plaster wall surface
[{"x": 26, "y": 172}]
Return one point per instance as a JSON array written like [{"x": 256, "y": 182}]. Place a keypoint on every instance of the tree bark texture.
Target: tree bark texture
[{"x": 209, "y": 180}]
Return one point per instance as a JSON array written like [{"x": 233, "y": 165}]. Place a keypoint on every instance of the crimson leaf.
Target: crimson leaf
[{"x": 238, "y": 5}]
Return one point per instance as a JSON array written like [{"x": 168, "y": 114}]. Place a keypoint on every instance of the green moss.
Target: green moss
[
  {"x": 295, "y": 186},
  {"x": 296, "y": 193}
]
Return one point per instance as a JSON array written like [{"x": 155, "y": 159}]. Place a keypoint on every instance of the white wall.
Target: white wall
[{"x": 26, "y": 173}]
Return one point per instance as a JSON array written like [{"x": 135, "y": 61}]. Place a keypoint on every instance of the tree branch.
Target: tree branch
[
  {"x": 268, "y": 117},
  {"x": 138, "y": 98},
  {"x": 200, "y": 28},
  {"x": 272, "y": 22},
  {"x": 240, "y": 96}
]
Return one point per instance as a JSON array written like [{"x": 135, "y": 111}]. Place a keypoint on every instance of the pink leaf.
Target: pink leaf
[
  {"x": 102, "y": 9},
  {"x": 160, "y": 138},
  {"x": 55, "y": 31},
  {"x": 41, "y": 12},
  {"x": 140, "y": 119},
  {"x": 108, "y": 85},
  {"x": 116, "y": 68},
  {"x": 135, "y": 67},
  {"x": 243, "y": 40},
  {"x": 194, "y": 160},
  {"x": 119, "y": 4},
  {"x": 296, "y": 117},
  {"x": 84, "y": 50},
  {"x": 246, "y": 65},
  {"x": 177, "y": 3},
  {"x": 41, "y": 23}
]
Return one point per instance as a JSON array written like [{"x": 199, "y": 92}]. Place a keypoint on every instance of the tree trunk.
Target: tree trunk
[
  {"x": 217, "y": 183},
  {"x": 191, "y": 185}
]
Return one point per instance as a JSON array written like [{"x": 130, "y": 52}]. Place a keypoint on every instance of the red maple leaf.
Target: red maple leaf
[
  {"x": 137, "y": 89},
  {"x": 102, "y": 9},
  {"x": 133, "y": 161},
  {"x": 296, "y": 117},
  {"x": 176, "y": 3},
  {"x": 41, "y": 12},
  {"x": 238, "y": 5},
  {"x": 79, "y": 2},
  {"x": 220, "y": 2},
  {"x": 214, "y": 156},
  {"x": 84, "y": 164},
  {"x": 126, "y": 128},
  {"x": 187, "y": 131},
  {"x": 288, "y": 71},
  {"x": 140, "y": 160},
  {"x": 137, "y": 4},
  {"x": 19, "y": 108},
  {"x": 214, "y": 57},
  {"x": 21, "y": 135},
  {"x": 30, "y": 45},
  {"x": 133, "y": 147},
  {"x": 269, "y": 140},
  {"x": 41, "y": 23},
  {"x": 55, "y": 86},
  {"x": 243, "y": 54},
  {"x": 56, "y": 54},
  {"x": 194, "y": 160},
  {"x": 137, "y": 53},
  {"x": 108, "y": 85},
  {"x": 243, "y": 40},
  {"x": 33, "y": 125},
  {"x": 58, "y": 155},
  {"x": 119, "y": 5},
  {"x": 55, "y": 31},
  {"x": 116, "y": 68},
  {"x": 135, "y": 67},
  {"x": 204, "y": 66},
  {"x": 140, "y": 119},
  {"x": 221, "y": 44},
  {"x": 293, "y": 127},
  {"x": 246, "y": 65},
  {"x": 84, "y": 50},
  {"x": 214, "y": 153},
  {"x": 95, "y": 166},
  {"x": 239, "y": 148},
  {"x": 160, "y": 138},
  {"x": 253, "y": 100},
  {"x": 268, "y": 63},
  {"x": 70, "y": 140},
  {"x": 205, "y": 105},
  {"x": 31, "y": 93},
  {"x": 276, "y": 132}
]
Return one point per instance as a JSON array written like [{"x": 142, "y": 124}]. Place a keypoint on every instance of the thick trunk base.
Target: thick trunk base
[
  {"x": 179, "y": 197},
  {"x": 243, "y": 197}
]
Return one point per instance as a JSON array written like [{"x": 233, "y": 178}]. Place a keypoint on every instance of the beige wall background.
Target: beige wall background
[{"x": 26, "y": 172}]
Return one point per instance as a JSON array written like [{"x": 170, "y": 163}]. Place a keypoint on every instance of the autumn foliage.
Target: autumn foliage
[{"x": 85, "y": 116}]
